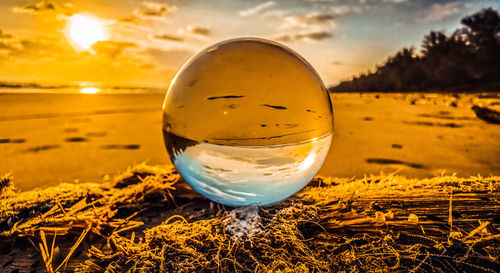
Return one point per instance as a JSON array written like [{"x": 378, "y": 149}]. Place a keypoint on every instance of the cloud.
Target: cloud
[
  {"x": 313, "y": 26},
  {"x": 154, "y": 10},
  {"x": 51, "y": 56},
  {"x": 129, "y": 20},
  {"x": 59, "y": 48},
  {"x": 394, "y": 1},
  {"x": 183, "y": 34},
  {"x": 112, "y": 49},
  {"x": 320, "y": 18},
  {"x": 140, "y": 18},
  {"x": 198, "y": 32},
  {"x": 308, "y": 21},
  {"x": 169, "y": 58},
  {"x": 201, "y": 31},
  {"x": 45, "y": 7},
  {"x": 34, "y": 8},
  {"x": 311, "y": 36},
  {"x": 4, "y": 35},
  {"x": 39, "y": 46},
  {"x": 167, "y": 37},
  {"x": 438, "y": 12},
  {"x": 33, "y": 45},
  {"x": 6, "y": 46},
  {"x": 130, "y": 24},
  {"x": 256, "y": 9},
  {"x": 345, "y": 7},
  {"x": 147, "y": 66},
  {"x": 25, "y": 49},
  {"x": 314, "y": 36}
]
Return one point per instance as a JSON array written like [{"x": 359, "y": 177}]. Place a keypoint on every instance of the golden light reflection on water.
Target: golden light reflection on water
[{"x": 89, "y": 90}]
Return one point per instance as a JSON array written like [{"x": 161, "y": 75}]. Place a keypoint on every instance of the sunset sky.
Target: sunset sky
[{"x": 145, "y": 42}]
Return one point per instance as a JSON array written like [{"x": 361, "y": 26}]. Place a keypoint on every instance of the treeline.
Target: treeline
[{"x": 467, "y": 60}]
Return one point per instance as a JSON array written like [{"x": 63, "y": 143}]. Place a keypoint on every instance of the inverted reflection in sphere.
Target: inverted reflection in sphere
[{"x": 247, "y": 122}]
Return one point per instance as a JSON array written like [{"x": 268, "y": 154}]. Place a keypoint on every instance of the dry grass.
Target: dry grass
[{"x": 379, "y": 223}]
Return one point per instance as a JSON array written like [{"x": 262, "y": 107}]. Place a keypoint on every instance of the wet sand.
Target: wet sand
[
  {"x": 419, "y": 135},
  {"x": 46, "y": 139}
]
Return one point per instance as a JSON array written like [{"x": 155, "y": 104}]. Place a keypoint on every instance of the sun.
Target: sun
[
  {"x": 89, "y": 90},
  {"x": 85, "y": 30}
]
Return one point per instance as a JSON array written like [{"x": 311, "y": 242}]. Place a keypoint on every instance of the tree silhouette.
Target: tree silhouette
[{"x": 467, "y": 60}]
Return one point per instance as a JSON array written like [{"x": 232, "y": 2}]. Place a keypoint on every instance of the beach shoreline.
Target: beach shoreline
[{"x": 49, "y": 138}]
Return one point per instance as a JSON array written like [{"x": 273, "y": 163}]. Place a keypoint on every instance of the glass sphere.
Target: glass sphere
[{"x": 247, "y": 122}]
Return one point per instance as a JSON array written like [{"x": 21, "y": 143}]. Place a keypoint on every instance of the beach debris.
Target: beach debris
[
  {"x": 96, "y": 134},
  {"x": 428, "y": 123},
  {"x": 71, "y": 130},
  {"x": 36, "y": 149},
  {"x": 388, "y": 161},
  {"x": 124, "y": 147},
  {"x": 279, "y": 107},
  {"x": 76, "y": 139},
  {"x": 486, "y": 114},
  {"x": 12, "y": 140},
  {"x": 225, "y": 97}
]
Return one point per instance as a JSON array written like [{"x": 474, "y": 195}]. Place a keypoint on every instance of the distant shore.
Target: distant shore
[{"x": 75, "y": 88}]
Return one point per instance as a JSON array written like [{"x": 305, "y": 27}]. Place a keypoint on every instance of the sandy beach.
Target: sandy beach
[{"x": 49, "y": 138}]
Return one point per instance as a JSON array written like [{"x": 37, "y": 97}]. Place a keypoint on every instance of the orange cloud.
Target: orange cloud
[
  {"x": 310, "y": 36},
  {"x": 154, "y": 10},
  {"x": 166, "y": 37},
  {"x": 4, "y": 35}
]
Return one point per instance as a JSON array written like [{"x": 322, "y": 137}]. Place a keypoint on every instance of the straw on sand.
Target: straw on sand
[{"x": 150, "y": 220}]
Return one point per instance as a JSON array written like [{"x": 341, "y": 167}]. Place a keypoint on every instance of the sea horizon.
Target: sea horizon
[{"x": 78, "y": 88}]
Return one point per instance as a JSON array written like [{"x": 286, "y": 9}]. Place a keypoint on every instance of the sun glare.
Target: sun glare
[
  {"x": 89, "y": 90},
  {"x": 85, "y": 31}
]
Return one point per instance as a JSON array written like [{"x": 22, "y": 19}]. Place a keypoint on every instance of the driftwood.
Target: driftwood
[
  {"x": 150, "y": 220},
  {"x": 487, "y": 114}
]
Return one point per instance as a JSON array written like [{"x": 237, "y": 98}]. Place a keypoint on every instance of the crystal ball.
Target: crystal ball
[{"x": 247, "y": 122}]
